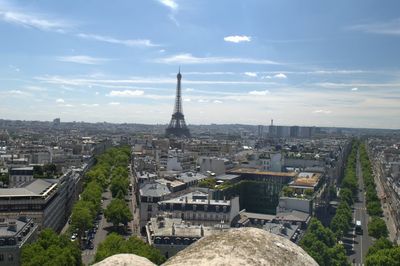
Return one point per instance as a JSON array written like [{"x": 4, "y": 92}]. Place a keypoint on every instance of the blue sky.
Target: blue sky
[{"x": 324, "y": 63}]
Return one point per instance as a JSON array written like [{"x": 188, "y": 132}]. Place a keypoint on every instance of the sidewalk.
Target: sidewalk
[{"x": 386, "y": 212}]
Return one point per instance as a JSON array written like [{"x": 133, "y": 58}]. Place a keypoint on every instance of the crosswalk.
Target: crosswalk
[{"x": 89, "y": 252}]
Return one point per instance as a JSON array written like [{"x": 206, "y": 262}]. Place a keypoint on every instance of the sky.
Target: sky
[{"x": 311, "y": 63}]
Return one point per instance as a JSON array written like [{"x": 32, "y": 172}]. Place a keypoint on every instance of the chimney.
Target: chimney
[
  {"x": 201, "y": 230},
  {"x": 173, "y": 229}
]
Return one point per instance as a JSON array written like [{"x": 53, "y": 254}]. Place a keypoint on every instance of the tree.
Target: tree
[
  {"x": 346, "y": 195},
  {"x": 384, "y": 257},
  {"x": 374, "y": 208},
  {"x": 377, "y": 228},
  {"x": 51, "y": 249},
  {"x": 319, "y": 242},
  {"x": 119, "y": 184},
  {"x": 337, "y": 255},
  {"x": 381, "y": 243},
  {"x": 118, "y": 212},
  {"x": 82, "y": 217},
  {"x": 92, "y": 194},
  {"x": 115, "y": 244},
  {"x": 208, "y": 182},
  {"x": 287, "y": 191},
  {"x": 309, "y": 192}
]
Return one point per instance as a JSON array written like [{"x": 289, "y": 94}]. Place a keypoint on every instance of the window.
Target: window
[
  {"x": 1, "y": 257},
  {"x": 10, "y": 257}
]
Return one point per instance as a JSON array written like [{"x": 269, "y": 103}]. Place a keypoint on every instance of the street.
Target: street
[
  {"x": 388, "y": 203},
  {"x": 101, "y": 234},
  {"x": 134, "y": 224},
  {"x": 357, "y": 244}
]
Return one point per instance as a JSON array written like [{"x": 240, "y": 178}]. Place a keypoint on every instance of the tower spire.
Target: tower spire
[{"x": 177, "y": 125}]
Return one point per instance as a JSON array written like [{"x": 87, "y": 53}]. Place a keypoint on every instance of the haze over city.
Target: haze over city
[{"x": 306, "y": 63}]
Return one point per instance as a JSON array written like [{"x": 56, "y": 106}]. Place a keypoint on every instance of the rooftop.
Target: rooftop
[
  {"x": 154, "y": 189},
  {"x": 161, "y": 226},
  {"x": 35, "y": 188},
  {"x": 189, "y": 177},
  {"x": 306, "y": 179},
  {"x": 255, "y": 171},
  {"x": 196, "y": 197}
]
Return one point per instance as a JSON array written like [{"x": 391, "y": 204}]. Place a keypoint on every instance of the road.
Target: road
[
  {"x": 359, "y": 242},
  {"x": 134, "y": 224},
  {"x": 101, "y": 234},
  {"x": 389, "y": 202}
]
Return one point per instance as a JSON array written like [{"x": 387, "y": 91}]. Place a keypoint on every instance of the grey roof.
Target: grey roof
[
  {"x": 28, "y": 168},
  {"x": 189, "y": 176},
  {"x": 34, "y": 188},
  {"x": 154, "y": 189},
  {"x": 227, "y": 177},
  {"x": 285, "y": 216},
  {"x": 286, "y": 230},
  {"x": 4, "y": 231}
]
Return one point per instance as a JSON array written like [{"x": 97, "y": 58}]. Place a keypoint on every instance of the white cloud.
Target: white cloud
[
  {"x": 35, "y": 88},
  {"x": 251, "y": 74},
  {"x": 97, "y": 93},
  {"x": 217, "y": 101},
  {"x": 266, "y": 77},
  {"x": 237, "y": 38},
  {"x": 321, "y": 111},
  {"x": 354, "y": 89},
  {"x": 82, "y": 59},
  {"x": 60, "y": 100},
  {"x": 90, "y": 104},
  {"x": 126, "y": 42},
  {"x": 126, "y": 93},
  {"x": 114, "y": 103},
  {"x": 170, "y": 4},
  {"x": 187, "y": 100},
  {"x": 202, "y": 101},
  {"x": 16, "y": 69},
  {"x": 66, "y": 105},
  {"x": 118, "y": 83},
  {"x": 280, "y": 76},
  {"x": 16, "y": 92},
  {"x": 259, "y": 93},
  {"x": 31, "y": 20},
  {"x": 190, "y": 59},
  {"x": 387, "y": 28},
  {"x": 189, "y": 89},
  {"x": 210, "y": 73}
]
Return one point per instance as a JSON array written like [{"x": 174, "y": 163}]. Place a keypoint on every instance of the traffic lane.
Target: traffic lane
[{"x": 101, "y": 233}]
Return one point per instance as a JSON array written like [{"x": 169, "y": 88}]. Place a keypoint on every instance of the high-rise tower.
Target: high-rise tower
[{"x": 177, "y": 127}]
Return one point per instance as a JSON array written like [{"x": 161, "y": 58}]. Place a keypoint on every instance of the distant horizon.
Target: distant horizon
[
  {"x": 222, "y": 124},
  {"x": 324, "y": 63}
]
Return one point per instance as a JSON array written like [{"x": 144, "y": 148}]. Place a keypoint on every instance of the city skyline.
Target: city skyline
[{"x": 322, "y": 64}]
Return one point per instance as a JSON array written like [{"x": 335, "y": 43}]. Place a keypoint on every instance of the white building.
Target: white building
[{"x": 197, "y": 208}]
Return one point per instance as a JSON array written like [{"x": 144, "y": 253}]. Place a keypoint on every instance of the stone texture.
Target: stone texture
[
  {"x": 125, "y": 260},
  {"x": 242, "y": 246}
]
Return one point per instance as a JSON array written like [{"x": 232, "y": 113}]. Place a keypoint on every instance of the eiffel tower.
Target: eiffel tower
[{"x": 177, "y": 127}]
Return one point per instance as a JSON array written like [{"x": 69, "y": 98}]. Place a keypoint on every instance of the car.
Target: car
[
  {"x": 73, "y": 237},
  {"x": 90, "y": 245}
]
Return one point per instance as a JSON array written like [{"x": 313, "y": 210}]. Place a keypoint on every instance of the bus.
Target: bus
[{"x": 359, "y": 229}]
